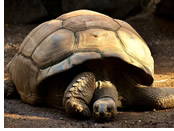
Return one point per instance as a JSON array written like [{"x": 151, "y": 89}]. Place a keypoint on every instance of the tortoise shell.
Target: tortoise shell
[{"x": 71, "y": 39}]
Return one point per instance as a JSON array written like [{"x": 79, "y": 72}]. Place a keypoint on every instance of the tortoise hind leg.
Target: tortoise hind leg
[
  {"x": 154, "y": 97},
  {"x": 79, "y": 94},
  {"x": 10, "y": 89}
]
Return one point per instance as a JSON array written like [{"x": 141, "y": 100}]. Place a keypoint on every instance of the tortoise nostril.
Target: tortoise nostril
[
  {"x": 109, "y": 108},
  {"x": 96, "y": 108},
  {"x": 102, "y": 109}
]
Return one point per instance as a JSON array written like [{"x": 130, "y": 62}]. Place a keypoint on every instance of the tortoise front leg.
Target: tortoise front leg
[
  {"x": 79, "y": 94},
  {"x": 106, "y": 98}
]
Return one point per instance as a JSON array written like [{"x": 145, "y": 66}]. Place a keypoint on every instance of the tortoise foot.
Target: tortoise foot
[
  {"x": 77, "y": 108},
  {"x": 10, "y": 90},
  {"x": 104, "y": 109}
]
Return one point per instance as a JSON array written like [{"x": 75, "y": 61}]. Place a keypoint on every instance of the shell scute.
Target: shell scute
[
  {"x": 54, "y": 48},
  {"x": 39, "y": 35}
]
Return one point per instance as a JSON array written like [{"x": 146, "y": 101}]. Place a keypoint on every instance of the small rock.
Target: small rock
[
  {"x": 61, "y": 118},
  {"x": 132, "y": 123},
  {"x": 154, "y": 109},
  {"x": 139, "y": 120}
]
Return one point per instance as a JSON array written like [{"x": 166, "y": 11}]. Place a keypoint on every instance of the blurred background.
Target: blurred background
[{"x": 37, "y": 11}]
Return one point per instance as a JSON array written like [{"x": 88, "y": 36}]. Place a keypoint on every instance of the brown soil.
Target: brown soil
[{"x": 159, "y": 35}]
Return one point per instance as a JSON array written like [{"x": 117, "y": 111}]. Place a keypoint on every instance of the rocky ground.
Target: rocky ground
[{"x": 159, "y": 35}]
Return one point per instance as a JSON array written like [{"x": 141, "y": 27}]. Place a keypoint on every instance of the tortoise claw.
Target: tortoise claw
[{"x": 77, "y": 108}]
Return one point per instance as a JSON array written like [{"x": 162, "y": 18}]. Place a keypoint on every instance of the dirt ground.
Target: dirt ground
[{"x": 159, "y": 35}]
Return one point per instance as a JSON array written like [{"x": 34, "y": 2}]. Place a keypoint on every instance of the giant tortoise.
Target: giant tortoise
[{"x": 84, "y": 62}]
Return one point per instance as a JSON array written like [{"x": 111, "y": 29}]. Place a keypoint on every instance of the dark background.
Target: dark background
[{"x": 37, "y": 11}]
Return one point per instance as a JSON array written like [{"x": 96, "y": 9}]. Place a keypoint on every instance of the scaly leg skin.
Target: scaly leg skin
[
  {"x": 106, "y": 98},
  {"x": 79, "y": 94},
  {"x": 153, "y": 97},
  {"x": 10, "y": 89}
]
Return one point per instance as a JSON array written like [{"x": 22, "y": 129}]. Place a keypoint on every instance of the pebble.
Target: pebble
[
  {"x": 154, "y": 109},
  {"x": 139, "y": 120},
  {"x": 61, "y": 118}
]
